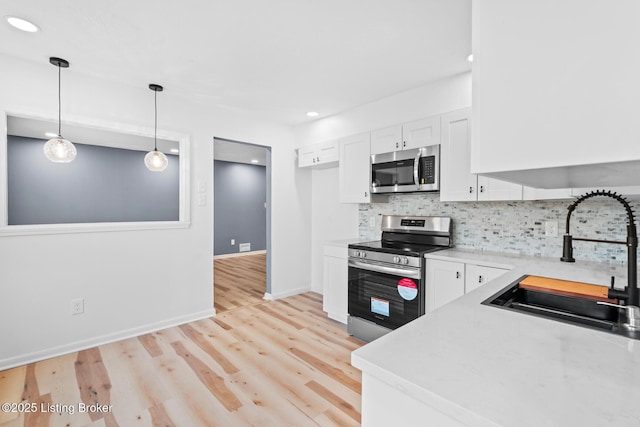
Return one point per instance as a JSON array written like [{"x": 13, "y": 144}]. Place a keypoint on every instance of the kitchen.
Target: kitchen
[{"x": 317, "y": 215}]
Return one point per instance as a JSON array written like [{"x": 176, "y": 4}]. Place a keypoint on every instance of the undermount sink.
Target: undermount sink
[{"x": 569, "y": 309}]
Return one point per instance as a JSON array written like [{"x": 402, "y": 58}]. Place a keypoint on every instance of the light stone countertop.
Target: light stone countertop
[{"x": 486, "y": 366}]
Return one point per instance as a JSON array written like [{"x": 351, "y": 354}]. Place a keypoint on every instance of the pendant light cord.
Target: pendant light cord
[
  {"x": 59, "y": 104},
  {"x": 155, "y": 124}
]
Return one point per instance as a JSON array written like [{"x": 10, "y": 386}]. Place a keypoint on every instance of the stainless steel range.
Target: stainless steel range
[{"x": 386, "y": 277}]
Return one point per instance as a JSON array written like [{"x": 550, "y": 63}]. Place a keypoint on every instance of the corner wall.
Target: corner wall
[
  {"x": 342, "y": 221},
  {"x": 135, "y": 281}
]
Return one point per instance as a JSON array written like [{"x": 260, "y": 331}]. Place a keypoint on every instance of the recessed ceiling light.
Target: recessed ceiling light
[
  {"x": 312, "y": 114},
  {"x": 51, "y": 134},
  {"x": 254, "y": 161},
  {"x": 470, "y": 57},
  {"x": 22, "y": 24},
  {"x": 174, "y": 150}
]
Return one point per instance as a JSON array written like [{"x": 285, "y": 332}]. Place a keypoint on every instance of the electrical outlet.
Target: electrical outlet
[
  {"x": 372, "y": 221},
  {"x": 233, "y": 241},
  {"x": 244, "y": 247},
  {"x": 551, "y": 228},
  {"x": 77, "y": 306}
]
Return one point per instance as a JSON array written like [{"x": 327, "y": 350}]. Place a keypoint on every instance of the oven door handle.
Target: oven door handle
[{"x": 395, "y": 271}]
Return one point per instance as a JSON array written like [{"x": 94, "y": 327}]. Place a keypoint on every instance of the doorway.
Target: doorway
[{"x": 241, "y": 223}]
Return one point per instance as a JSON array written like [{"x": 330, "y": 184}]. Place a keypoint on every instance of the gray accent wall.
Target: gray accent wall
[
  {"x": 102, "y": 184},
  {"x": 240, "y": 192}
]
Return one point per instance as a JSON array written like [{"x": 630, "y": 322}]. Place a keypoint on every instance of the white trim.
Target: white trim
[
  {"x": 184, "y": 220},
  {"x": 263, "y": 251},
  {"x": 271, "y": 296},
  {"x": 39, "y": 355}
]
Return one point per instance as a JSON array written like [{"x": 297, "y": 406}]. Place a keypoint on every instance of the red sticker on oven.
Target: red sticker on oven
[{"x": 407, "y": 289}]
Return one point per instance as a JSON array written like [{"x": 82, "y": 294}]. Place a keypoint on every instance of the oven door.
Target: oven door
[{"x": 387, "y": 295}]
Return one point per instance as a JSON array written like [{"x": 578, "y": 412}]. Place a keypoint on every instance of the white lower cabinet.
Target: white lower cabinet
[
  {"x": 334, "y": 282},
  {"x": 445, "y": 282},
  {"x": 448, "y": 280},
  {"x": 478, "y": 275}
]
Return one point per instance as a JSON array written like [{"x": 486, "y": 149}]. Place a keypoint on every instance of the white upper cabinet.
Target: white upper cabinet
[
  {"x": 354, "y": 172},
  {"x": 421, "y": 133},
  {"x": 386, "y": 140},
  {"x": 416, "y": 134},
  {"x": 556, "y": 92},
  {"x": 456, "y": 181},
  {"x": 320, "y": 155}
]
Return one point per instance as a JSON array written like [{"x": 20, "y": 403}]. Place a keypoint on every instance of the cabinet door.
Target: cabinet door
[
  {"x": 478, "y": 275},
  {"x": 355, "y": 169},
  {"x": 386, "y": 140},
  {"x": 494, "y": 189},
  {"x": 327, "y": 152},
  {"x": 306, "y": 156},
  {"x": 335, "y": 282},
  {"x": 445, "y": 282},
  {"x": 421, "y": 133},
  {"x": 456, "y": 183}
]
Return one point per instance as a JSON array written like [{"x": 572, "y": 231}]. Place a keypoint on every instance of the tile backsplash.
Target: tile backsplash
[{"x": 514, "y": 227}]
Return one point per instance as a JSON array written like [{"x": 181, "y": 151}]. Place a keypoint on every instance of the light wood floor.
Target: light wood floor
[
  {"x": 239, "y": 281},
  {"x": 276, "y": 363}
]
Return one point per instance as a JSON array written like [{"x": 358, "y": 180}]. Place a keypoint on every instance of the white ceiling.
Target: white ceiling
[{"x": 277, "y": 58}]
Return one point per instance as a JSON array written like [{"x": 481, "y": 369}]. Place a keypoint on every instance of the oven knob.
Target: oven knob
[
  {"x": 356, "y": 254},
  {"x": 363, "y": 254},
  {"x": 396, "y": 259},
  {"x": 404, "y": 260}
]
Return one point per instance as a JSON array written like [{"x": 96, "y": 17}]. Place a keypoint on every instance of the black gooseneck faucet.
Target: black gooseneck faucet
[{"x": 630, "y": 294}]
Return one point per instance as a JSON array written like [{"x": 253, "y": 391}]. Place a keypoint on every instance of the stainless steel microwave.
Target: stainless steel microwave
[{"x": 406, "y": 171}]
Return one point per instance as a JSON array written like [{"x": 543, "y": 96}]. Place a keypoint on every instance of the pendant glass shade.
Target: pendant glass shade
[
  {"x": 59, "y": 150},
  {"x": 156, "y": 161}
]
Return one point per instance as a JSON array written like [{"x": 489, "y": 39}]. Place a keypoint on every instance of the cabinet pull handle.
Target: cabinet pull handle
[
  {"x": 457, "y": 274},
  {"x": 482, "y": 188},
  {"x": 318, "y": 158},
  {"x": 365, "y": 194},
  {"x": 480, "y": 279},
  {"x": 404, "y": 143},
  {"x": 470, "y": 190},
  {"x": 397, "y": 146}
]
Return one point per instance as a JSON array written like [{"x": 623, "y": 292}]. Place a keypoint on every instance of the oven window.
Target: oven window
[
  {"x": 374, "y": 296},
  {"x": 404, "y": 172},
  {"x": 392, "y": 173},
  {"x": 384, "y": 174}
]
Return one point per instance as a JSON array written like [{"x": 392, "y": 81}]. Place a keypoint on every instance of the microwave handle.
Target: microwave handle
[{"x": 416, "y": 166}]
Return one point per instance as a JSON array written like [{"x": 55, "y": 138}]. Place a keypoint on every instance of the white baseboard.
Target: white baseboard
[
  {"x": 264, "y": 251},
  {"x": 271, "y": 296},
  {"x": 39, "y": 355}
]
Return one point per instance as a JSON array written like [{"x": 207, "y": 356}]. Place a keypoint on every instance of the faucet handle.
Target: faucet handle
[{"x": 633, "y": 315}]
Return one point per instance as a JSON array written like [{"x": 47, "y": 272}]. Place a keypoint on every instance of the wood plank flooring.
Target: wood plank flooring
[
  {"x": 270, "y": 363},
  {"x": 239, "y": 281}
]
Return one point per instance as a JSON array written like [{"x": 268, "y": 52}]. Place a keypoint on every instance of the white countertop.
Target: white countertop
[{"x": 487, "y": 366}]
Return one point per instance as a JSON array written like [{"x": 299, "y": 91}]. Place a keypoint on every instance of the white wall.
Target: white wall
[
  {"x": 332, "y": 220},
  {"x": 134, "y": 281}
]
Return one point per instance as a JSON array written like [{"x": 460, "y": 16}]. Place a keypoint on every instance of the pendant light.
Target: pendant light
[
  {"x": 155, "y": 160},
  {"x": 58, "y": 149}
]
